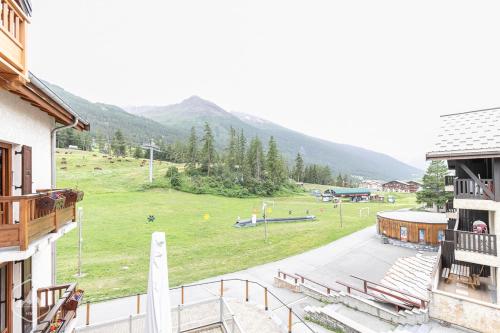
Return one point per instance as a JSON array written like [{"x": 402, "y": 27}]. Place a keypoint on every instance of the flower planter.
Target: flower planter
[
  {"x": 74, "y": 301},
  {"x": 47, "y": 204}
]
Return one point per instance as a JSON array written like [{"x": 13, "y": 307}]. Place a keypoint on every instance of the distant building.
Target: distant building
[
  {"x": 371, "y": 184},
  {"x": 356, "y": 194},
  {"x": 401, "y": 186}
]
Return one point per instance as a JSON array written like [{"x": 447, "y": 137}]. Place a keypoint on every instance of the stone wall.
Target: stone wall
[{"x": 464, "y": 312}]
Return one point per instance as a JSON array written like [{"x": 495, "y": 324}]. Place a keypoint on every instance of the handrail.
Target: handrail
[
  {"x": 328, "y": 288},
  {"x": 221, "y": 282},
  {"x": 57, "y": 307},
  {"x": 39, "y": 194},
  {"x": 285, "y": 275},
  {"x": 349, "y": 287},
  {"x": 392, "y": 289}
]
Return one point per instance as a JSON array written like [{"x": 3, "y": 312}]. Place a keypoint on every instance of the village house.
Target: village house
[
  {"x": 401, "y": 186},
  {"x": 466, "y": 283},
  {"x": 32, "y": 216},
  {"x": 369, "y": 184}
]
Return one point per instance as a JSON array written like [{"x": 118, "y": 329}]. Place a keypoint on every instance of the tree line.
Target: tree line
[{"x": 243, "y": 163}]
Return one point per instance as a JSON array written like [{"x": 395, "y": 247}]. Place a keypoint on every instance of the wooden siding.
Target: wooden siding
[{"x": 392, "y": 229}]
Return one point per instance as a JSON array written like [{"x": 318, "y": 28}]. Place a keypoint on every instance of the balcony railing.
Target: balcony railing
[
  {"x": 30, "y": 217},
  {"x": 449, "y": 180},
  {"x": 473, "y": 242},
  {"x": 469, "y": 189},
  {"x": 12, "y": 37},
  {"x": 57, "y": 307}
]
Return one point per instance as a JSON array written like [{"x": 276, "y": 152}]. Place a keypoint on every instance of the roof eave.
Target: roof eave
[{"x": 462, "y": 155}]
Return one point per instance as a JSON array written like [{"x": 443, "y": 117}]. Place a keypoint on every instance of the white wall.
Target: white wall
[{"x": 23, "y": 124}]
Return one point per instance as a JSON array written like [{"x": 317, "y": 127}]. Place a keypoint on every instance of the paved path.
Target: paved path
[{"x": 360, "y": 253}]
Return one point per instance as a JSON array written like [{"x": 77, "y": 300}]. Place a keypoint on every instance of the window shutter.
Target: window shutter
[{"x": 27, "y": 182}]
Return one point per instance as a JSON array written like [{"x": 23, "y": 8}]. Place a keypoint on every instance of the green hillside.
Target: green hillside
[
  {"x": 202, "y": 241},
  {"x": 172, "y": 123}
]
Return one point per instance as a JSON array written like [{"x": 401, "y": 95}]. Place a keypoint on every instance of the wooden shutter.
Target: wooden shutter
[{"x": 27, "y": 182}]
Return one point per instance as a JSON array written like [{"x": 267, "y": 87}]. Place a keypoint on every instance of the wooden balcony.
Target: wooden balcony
[
  {"x": 13, "y": 23},
  {"x": 27, "y": 218},
  {"x": 57, "y": 307},
  {"x": 470, "y": 189},
  {"x": 473, "y": 242}
]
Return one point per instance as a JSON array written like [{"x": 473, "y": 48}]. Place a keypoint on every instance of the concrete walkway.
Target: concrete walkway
[{"x": 361, "y": 253}]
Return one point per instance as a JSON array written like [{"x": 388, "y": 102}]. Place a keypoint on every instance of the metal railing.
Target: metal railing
[
  {"x": 399, "y": 299},
  {"x": 130, "y": 323},
  {"x": 473, "y": 242},
  {"x": 469, "y": 189}
]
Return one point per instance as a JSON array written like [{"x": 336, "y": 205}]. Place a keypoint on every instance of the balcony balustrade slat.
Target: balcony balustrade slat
[
  {"x": 474, "y": 242},
  {"x": 468, "y": 189}
]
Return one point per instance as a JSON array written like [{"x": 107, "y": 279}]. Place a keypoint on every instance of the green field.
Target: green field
[{"x": 202, "y": 241}]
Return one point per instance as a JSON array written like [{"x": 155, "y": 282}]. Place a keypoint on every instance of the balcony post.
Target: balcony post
[
  {"x": 496, "y": 179},
  {"x": 23, "y": 224}
]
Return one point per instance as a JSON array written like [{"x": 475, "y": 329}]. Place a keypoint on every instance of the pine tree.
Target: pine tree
[
  {"x": 433, "y": 192},
  {"x": 255, "y": 159},
  {"x": 274, "y": 164},
  {"x": 208, "y": 150},
  {"x": 118, "y": 145},
  {"x": 232, "y": 150},
  {"x": 138, "y": 152},
  {"x": 340, "y": 180},
  {"x": 192, "y": 150},
  {"x": 299, "y": 168}
]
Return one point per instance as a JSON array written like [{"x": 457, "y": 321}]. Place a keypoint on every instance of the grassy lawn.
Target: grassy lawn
[{"x": 117, "y": 235}]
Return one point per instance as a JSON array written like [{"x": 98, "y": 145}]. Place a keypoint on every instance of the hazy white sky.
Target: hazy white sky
[{"x": 376, "y": 74}]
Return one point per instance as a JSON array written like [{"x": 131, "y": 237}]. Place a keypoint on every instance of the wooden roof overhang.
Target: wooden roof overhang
[
  {"x": 42, "y": 98},
  {"x": 463, "y": 155}
]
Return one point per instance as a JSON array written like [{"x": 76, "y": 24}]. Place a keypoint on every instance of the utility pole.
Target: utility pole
[
  {"x": 152, "y": 148},
  {"x": 340, "y": 206},
  {"x": 264, "y": 206},
  {"x": 80, "y": 241}
]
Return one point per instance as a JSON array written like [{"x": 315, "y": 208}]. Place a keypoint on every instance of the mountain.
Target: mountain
[
  {"x": 194, "y": 111},
  {"x": 174, "y": 122},
  {"x": 106, "y": 119}
]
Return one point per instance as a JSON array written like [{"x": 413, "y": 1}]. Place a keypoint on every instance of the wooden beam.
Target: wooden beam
[{"x": 477, "y": 180}]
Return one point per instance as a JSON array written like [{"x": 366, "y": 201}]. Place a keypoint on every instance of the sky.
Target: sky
[{"x": 375, "y": 74}]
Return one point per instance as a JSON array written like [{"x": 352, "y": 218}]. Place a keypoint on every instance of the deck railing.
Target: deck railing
[
  {"x": 449, "y": 180},
  {"x": 469, "y": 189},
  {"x": 29, "y": 217},
  {"x": 57, "y": 307},
  {"x": 473, "y": 242},
  {"x": 13, "y": 36}
]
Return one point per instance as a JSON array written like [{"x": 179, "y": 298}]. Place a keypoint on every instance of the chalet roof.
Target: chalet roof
[
  {"x": 25, "y": 6},
  {"x": 42, "y": 90},
  {"x": 472, "y": 134},
  {"x": 396, "y": 181}
]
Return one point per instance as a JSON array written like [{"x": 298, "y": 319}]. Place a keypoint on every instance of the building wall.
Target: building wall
[
  {"x": 23, "y": 124},
  {"x": 392, "y": 229},
  {"x": 396, "y": 187},
  {"x": 474, "y": 315}
]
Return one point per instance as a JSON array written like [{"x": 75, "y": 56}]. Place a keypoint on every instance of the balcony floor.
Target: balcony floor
[{"x": 486, "y": 292}]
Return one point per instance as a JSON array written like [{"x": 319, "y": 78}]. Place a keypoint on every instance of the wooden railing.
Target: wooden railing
[
  {"x": 13, "y": 35},
  {"x": 469, "y": 189},
  {"x": 57, "y": 306},
  {"x": 473, "y": 242},
  {"x": 29, "y": 217},
  {"x": 449, "y": 180}
]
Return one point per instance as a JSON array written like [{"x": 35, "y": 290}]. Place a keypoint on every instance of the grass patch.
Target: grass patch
[{"x": 117, "y": 235}]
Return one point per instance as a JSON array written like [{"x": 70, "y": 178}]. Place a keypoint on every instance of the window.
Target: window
[
  {"x": 404, "y": 234},
  {"x": 440, "y": 235},
  {"x": 421, "y": 235}
]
